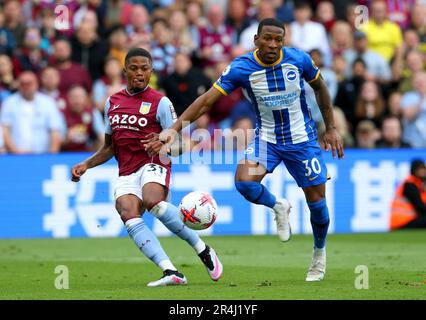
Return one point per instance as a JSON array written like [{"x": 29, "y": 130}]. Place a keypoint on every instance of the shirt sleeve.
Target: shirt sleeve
[
  {"x": 229, "y": 80},
  {"x": 310, "y": 70},
  {"x": 166, "y": 114},
  {"x": 108, "y": 129}
]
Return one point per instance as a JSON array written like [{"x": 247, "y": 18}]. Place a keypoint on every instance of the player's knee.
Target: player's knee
[
  {"x": 151, "y": 203},
  {"x": 249, "y": 189},
  {"x": 127, "y": 210}
]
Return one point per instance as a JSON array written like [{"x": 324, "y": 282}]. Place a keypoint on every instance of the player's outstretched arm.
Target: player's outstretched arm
[
  {"x": 332, "y": 139},
  {"x": 166, "y": 138},
  {"x": 101, "y": 156}
]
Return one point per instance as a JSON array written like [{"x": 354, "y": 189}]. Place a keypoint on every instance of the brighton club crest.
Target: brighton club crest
[{"x": 145, "y": 107}]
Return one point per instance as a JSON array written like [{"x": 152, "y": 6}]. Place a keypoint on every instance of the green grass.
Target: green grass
[{"x": 256, "y": 267}]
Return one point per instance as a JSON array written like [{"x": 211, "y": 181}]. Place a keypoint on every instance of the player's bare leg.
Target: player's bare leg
[
  {"x": 155, "y": 196},
  {"x": 315, "y": 196},
  {"x": 247, "y": 181},
  {"x": 130, "y": 207}
]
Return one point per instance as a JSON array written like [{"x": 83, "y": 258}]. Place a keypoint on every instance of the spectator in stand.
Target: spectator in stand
[
  {"x": 14, "y": 20},
  {"x": 237, "y": 17},
  {"x": 348, "y": 91},
  {"x": 185, "y": 84},
  {"x": 399, "y": 11},
  {"x": 47, "y": 30},
  {"x": 366, "y": 135},
  {"x": 265, "y": 9},
  {"x": 339, "y": 67},
  {"x": 31, "y": 120},
  {"x": 341, "y": 38},
  {"x": 393, "y": 106},
  {"x": 162, "y": 52},
  {"x": 284, "y": 10},
  {"x": 215, "y": 40},
  {"x": 7, "y": 40},
  {"x": 418, "y": 23},
  {"x": 377, "y": 67},
  {"x": 414, "y": 62},
  {"x": 351, "y": 15},
  {"x": 384, "y": 36},
  {"x": 139, "y": 29},
  {"x": 181, "y": 33},
  {"x": 85, "y": 126},
  {"x": 118, "y": 12},
  {"x": 112, "y": 82},
  {"x": 7, "y": 77},
  {"x": 89, "y": 50},
  {"x": 307, "y": 34},
  {"x": 370, "y": 104},
  {"x": 325, "y": 15},
  {"x": 342, "y": 127},
  {"x": 196, "y": 20},
  {"x": 49, "y": 85},
  {"x": 30, "y": 57},
  {"x": 118, "y": 44},
  {"x": 411, "y": 41},
  {"x": 72, "y": 73},
  {"x": 391, "y": 134},
  {"x": 413, "y": 106}
]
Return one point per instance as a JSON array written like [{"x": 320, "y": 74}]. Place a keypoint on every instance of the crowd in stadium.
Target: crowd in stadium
[{"x": 58, "y": 65}]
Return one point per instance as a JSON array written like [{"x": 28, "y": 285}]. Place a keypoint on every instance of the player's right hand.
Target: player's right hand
[
  {"x": 77, "y": 171},
  {"x": 159, "y": 143}
]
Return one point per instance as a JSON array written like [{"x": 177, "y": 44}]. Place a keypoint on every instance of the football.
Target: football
[{"x": 198, "y": 210}]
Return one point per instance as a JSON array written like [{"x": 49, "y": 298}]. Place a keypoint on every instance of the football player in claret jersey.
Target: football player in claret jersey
[
  {"x": 272, "y": 79},
  {"x": 132, "y": 115}
]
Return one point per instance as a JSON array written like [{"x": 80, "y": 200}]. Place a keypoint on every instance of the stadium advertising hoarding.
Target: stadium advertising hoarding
[{"x": 38, "y": 199}]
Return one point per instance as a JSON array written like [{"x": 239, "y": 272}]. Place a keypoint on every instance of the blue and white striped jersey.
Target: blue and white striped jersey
[{"x": 277, "y": 92}]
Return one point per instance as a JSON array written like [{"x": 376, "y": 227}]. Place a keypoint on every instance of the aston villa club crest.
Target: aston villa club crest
[{"x": 145, "y": 107}]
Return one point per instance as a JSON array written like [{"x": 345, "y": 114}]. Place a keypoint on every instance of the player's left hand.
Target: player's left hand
[{"x": 332, "y": 140}]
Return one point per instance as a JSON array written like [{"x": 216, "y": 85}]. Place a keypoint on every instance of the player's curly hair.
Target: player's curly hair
[
  {"x": 270, "y": 22},
  {"x": 137, "y": 52}
]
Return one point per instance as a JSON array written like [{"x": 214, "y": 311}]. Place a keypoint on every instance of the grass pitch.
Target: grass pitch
[{"x": 256, "y": 267}]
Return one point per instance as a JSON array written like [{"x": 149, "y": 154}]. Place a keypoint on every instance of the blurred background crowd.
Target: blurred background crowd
[{"x": 54, "y": 80}]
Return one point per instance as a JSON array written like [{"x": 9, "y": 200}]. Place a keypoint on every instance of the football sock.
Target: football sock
[
  {"x": 256, "y": 192},
  {"x": 319, "y": 221},
  {"x": 148, "y": 243},
  {"x": 168, "y": 214}
]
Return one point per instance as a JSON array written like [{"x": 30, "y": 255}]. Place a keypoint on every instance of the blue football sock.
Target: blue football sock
[
  {"x": 320, "y": 221},
  {"x": 168, "y": 214},
  {"x": 146, "y": 240},
  {"x": 256, "y": 192}
]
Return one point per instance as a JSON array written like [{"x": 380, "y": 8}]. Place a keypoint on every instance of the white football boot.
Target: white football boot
[
  {"x": 211, "y": 261},
  {"x": 316, "y": 271},
  {"x": 169, "y": 278},
  {"x": 282, "y": 212}
]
